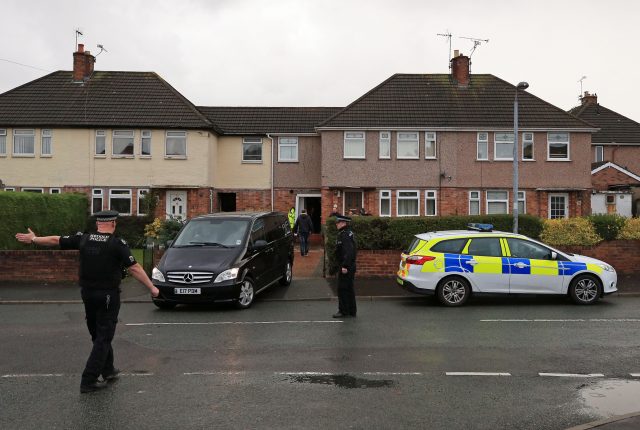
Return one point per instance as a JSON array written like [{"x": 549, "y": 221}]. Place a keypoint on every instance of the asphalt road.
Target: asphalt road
[{"x": 526, "y": 363}]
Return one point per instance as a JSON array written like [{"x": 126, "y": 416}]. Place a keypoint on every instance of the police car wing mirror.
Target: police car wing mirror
[
  {"x": 259, "y": 244},
  {"x": 554, "y": 255}
]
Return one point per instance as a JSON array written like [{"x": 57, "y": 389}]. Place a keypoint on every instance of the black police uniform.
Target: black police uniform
[
  {"x": 346, "y": 257},
  {"x": 102, "y": 257}
]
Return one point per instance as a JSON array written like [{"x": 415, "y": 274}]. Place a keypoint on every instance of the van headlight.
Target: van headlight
[
  {"x": 607, "y": 267},
  {"x": 227, "y": 275},
  {"x": 157, "y": 275}
]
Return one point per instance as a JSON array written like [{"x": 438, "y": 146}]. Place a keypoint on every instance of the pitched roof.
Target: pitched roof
[
  {"x": 610, "y": 164},
  {"x": 108, "y": 99},
  {"x": 436, "y": 101},
  {"x": 614, "y": 128},
  {"x": 262, "y": 120}
]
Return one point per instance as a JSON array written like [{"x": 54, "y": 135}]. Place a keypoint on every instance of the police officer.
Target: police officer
[
  {"x": 102, "y": 259},
  {"x": 346, "y": 258}
]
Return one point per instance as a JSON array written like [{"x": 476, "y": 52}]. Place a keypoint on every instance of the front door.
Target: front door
[{"x": 177, "y": 204}]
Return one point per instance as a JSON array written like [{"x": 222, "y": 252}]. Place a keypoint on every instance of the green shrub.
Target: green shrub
[
  {"x": 631, "y": 229},
  {"x": 45, "y": 214},
  {"x": 569, "y": 231},
  {"x": 162, "y": 230},
  {"x": 607, "y": 225},
  {"x": 131, "y": 229}
]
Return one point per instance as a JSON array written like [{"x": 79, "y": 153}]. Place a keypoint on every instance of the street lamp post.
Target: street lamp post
[{"x": 521, "y": 86}]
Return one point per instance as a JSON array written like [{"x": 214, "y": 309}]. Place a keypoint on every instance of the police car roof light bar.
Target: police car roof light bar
[{"x": 479, "y": 227}]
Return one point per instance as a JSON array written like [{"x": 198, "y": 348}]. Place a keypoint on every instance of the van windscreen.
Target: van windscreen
[{"x": 213, "y": 232}]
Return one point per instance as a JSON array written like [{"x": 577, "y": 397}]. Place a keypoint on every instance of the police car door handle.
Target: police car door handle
[
  {"x": 472, "y": 262},
  {"x": 521, "y": 265}
]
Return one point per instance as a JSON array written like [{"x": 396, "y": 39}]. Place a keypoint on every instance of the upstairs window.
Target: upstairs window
[
  {"x": 101, "y": 143},
  {"x": 176, "y": 144},
  {"x": 354, "y": 144},
  {"x": 252, "y": 150},
  {"x": 122, "y": 143},
  {"x": 288, "y": 149},
  {"x": 503, "y": 149},
  {"x": 385, "y": 145},
  {"x": 429, "y": 145},
  {"x": 527, "y": 146},
  {"x": 23, "y": 142},
  {"x": 408, "y": 145},
  {"x": 483, "y": 146},
  {"x": 558, "y": 146},
  {"x": 45, "y": 144},
  {"x": 3, "y": 142},
  {"x": 145, "y": 143},
  {"x": 599, "y": 152}
]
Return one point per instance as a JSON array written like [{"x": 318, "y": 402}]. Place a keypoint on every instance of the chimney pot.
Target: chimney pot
[
  {"x": 589, "y": 99},
  {"x": 456, "y": 53},
  {"x": 80, "y": 47}
]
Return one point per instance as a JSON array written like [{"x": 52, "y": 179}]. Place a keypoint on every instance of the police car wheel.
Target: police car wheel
[
  {"x": 454, "y": 291},
  {"x": 287, "y": 275},
  {"x": 164, "y": 305},
  {"x": 247, "y": 293},
  {"x": 585, "y": 290}
]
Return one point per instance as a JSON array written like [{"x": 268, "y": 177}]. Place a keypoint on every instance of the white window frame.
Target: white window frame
[
  {"x": 476, "y": 199},
  {"x": 431, "y": 196},
  {"x": 288, "y": 142},
  {"x": 355, "y": 138},
  {"x": 599, "y": 156},
  {"x": 522, "y": 197},
  {"x": 531, "y": 141},
  {"x": 10, "y": 189},
  {"x": 505, "y": 201},
  {"x": 430, "y": 138},
  {"x": 175, "y": 134},
  {"x": 384, "y": 195},
  {"x": 252, "y": 141},
  {"x": 141, "y": 193},
  {"x": 97, "y": 193},
  {"x": 3, "y": 142},
  {"x": 497, "y": 142},
  {"x": 398, "y": 198},
  {"x": 116, "y": 135},
  {"x": 482, "y": 138},
  {"x": 400, "y": 142},
  {"x": 55, "y": 191},
  {"x": 116, "y": 192},
  {"x": 102, "y": 134},
  {"x": 567, "y": 143},
  {"x": 145, "y": 135},
  {"x": 26, "y": 132},
  {"x": 566, "y": 205},
  {"x": 46, "y": 139},
  {"x": 384, "y": 150},
  {"x": 32, "y": 190}
]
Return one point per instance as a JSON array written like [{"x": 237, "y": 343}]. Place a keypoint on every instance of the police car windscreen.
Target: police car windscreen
[{"x": 213, "y": 232}]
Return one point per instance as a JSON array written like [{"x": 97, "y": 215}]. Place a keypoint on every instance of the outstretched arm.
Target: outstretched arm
[
  {"x": 138, "y": 272},
  {"x": 42, "y": 241}
]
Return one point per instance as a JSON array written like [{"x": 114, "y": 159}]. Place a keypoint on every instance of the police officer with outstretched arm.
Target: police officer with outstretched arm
[
  {"x": 346, "y": 257},
  {"x": 102, "y": 257}
]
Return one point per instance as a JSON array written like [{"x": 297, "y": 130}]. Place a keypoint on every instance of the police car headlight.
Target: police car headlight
[
  {"x": 227, "y": 275},
  {"x": 607, "y": 267},
  {"x": 157, "y": 275}
]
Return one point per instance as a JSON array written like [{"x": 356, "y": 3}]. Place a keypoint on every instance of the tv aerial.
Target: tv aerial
[
  {"x": 78, "y": 33},
  {"x": 476, "y": 42},
  {"x": 102, "y": 49},
  {"x": 448, "y": 36},
  {"x": 580, "y": 80}
]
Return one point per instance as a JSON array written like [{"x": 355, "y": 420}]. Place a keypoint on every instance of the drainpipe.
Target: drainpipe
[
  {"x": 272, "y": 163},
  {"x": 210, "y": 200}
]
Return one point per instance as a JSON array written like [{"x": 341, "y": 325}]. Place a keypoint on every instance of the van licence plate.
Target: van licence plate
[{"x": 186, "y": 290}]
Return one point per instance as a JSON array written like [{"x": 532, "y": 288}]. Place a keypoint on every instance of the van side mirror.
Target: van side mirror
[
  {"x": 169, "y": 243},
  {"x": 258, "y": 245}
]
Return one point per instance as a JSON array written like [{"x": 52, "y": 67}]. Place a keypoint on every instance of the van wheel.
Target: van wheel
[
  {"x": 288, "y": 274},
  {"x": 454, "y": 291},
  {"x": 247, "y": 293},
  {"x": 584, "y": 290},
  {"x": 164, "y": 305}
]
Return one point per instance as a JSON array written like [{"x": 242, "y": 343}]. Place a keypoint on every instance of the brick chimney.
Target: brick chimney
[
  {"x": 460, "y": 69},
  {"x": 589, "y": 99},
  {"x": 82, "y": 64}
]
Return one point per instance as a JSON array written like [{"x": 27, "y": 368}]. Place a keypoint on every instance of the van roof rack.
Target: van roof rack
[{"x": 479, "y": 227}]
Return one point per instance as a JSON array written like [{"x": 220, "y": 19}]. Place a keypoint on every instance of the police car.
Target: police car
[{"x": 455, "y": 264}]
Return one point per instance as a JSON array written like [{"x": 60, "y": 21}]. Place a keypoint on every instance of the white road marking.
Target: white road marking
[
  {"x": 573, "y": 375},
  {"x": 478, "y": 374},
  {"x": 635, "y": 375},
  {"x": 236, "y": 322},
  {"x": 567, "y": 320},
  {"x": 212, "y": 373},
  {"x": 392, "y": 373},
  {"x": 136, "y": 374},
  {"x": 305, "y": 373},
  {"x": 32, "y": 375}
]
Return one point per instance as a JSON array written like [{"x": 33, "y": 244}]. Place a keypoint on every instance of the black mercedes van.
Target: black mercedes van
[{"x": 229, "y": 256}]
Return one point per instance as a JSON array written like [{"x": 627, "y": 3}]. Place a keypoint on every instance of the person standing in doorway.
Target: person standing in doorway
[
  {"x": 102, "y": 259},
  {"x": 345, "y": 254},
  {"x": 303, "y": 228},
  {"x": 292, "y": 217}
]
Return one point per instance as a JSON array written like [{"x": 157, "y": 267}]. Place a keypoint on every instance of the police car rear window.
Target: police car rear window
[{"x": 452, "y": 246}]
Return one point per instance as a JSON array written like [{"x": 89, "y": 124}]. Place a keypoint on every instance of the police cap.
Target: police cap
[
  {"x": 104, "y": 216},
  {"x": 342, "y": 218}
]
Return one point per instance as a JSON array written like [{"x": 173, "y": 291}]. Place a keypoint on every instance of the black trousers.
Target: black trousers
[
  {"x": 101, "y": 309},
  {"x": 346, "y": 294}
]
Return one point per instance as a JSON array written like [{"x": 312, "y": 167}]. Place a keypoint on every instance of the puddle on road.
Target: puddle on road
[
  {"x": 342, "y": 381},
  {"x": 612, "y": 396}
]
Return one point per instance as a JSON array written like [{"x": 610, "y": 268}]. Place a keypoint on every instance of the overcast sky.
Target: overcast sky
[{"x": 330, "y": 52}]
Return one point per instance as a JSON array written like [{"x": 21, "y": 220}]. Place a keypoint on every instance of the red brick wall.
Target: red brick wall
[
  {"x": 623, "y": 255},
  {"x": 374, "y": 263},
  {"x": 39, "y": 266},
  {"x": 610, "y": 176}
]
